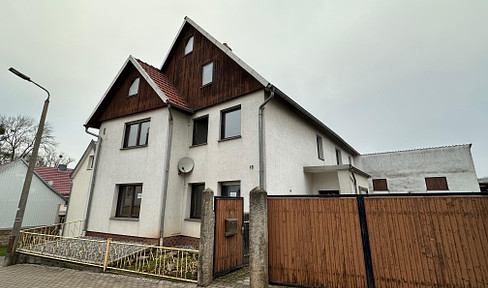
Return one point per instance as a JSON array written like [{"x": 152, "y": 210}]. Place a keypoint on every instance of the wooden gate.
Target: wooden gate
[
  {"x": 228, "y": 238},
  {"x": 315, "y": 242}
]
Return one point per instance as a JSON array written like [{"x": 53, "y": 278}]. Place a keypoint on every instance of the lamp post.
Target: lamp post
[{"x": 14, "y": 238}]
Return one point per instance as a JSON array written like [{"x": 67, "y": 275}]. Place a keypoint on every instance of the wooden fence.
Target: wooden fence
[
  {"x": 315, "y": 242},
  {"x": 429, "y": 241},
  {"x": 379, "y": 241}
]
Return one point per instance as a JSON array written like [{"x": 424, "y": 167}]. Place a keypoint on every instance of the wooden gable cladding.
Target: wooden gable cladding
[
  {"x": 120, "y": 105},
  {"x": 185, "y": 72}
]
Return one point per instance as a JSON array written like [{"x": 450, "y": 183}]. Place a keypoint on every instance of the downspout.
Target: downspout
[
  {"x": 353, "y": 179},
  {"x": 166, "y": 172},
  {"x": 69, "y": 201},
  {"x": 94, "y": 178},
  {"x": 261, "y": 137}
]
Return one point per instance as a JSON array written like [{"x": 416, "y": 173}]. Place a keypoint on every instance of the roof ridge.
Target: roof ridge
[{"x": 415, "y": 149}]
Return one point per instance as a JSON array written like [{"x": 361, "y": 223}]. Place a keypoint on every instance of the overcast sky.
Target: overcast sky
[{"x": 384, "y": 75}]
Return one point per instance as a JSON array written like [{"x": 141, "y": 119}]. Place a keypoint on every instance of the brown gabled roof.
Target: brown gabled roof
[
  {"x": 163, "y": 83},
  {"x": 61, "y": 182}
]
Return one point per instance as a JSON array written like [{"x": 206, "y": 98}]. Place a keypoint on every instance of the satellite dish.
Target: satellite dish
[{"x": 185, "y": 165}]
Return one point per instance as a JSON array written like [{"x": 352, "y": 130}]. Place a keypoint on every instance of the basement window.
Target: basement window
[
  {"x": 207, "y": 74},
  {"x": 134, "y": 88},
  {"x": 189, "y": 46}
]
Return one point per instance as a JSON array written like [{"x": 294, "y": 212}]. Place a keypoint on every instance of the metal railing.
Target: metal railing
[{"x": 166, "y": 262}]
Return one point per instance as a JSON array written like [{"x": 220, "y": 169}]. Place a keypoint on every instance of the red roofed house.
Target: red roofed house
[{"x": 57, "y": 177}]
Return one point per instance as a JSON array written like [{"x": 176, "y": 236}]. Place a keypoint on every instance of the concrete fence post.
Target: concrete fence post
[
  {"x": 206, "y": 246},
  {"x": 258, "y": 237}
]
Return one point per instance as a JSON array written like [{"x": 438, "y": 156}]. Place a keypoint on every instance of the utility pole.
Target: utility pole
[{"x": 14, "y": 238}]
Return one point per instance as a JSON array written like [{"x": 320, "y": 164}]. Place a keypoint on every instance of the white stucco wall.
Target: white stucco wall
[
  {"x": 80, "y": 186},
  {"x": 130, "y": 166},
  {"x": 42, "y": 204},
  {"x": 220, "y": 161},
  {"x": 290, "y": 144},
  {"x": 405, "y": 171}
]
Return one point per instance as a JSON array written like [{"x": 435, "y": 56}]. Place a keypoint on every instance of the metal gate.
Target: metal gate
[{"x": 228, "y": 236}]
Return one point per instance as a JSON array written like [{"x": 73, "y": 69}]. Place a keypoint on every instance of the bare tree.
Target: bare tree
[
  {"x": 52, "y": 158},
  {"x": 18, "y": 138}
]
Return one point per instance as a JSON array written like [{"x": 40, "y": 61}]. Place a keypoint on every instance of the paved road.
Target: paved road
[{"x": 30, "y": 275}]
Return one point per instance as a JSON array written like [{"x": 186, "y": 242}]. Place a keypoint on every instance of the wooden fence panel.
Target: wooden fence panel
[
  {"x": 315, "y": 242},
  {"x": 228, "y": 250},
  {"x": 429, "y": 241}
]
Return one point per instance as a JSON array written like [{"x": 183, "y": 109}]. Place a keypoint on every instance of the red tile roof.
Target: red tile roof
[
  {"x": 163, "y": 83},
  {"x": 61, "y": 180}
]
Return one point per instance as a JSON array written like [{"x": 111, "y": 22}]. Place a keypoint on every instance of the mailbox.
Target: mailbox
[{"x": 230, "y": 227}]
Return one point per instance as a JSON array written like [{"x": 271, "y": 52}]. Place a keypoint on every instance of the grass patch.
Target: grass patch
[{"x": 3, "y": 250}]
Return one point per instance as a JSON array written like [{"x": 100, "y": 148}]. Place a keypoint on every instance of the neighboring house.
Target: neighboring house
[
  {"x": 43, "y": 203},
  {"x": 81, "y": 179},
  {"x": 483, "y": 182},
  {"x": 238, "y": 129},
  {"x": 440, "y": 169},
  {"x": 58, "y": 178}
]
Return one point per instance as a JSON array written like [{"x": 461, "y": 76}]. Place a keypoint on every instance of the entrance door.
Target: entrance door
[{"x": 228, "y": 236}]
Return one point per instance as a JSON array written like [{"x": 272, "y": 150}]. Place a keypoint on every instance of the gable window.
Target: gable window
[
  {"x": 136, "y": 133},
  {"x": 129, "y": 201},
  {"x": 339, "y": 156},
  {"x": 189, "y": 46},
  {"x": 90, "y": 162},
  {"x": 134, "y": 88},
  {"x": 231, "y": 189},
  {"x": 436, "y": 183},
  {"x": 200, "y": 130},
  {"x": 320, "y": 147},
  {"x": 207, "y": 74},
  {"x": 230, "y": 123},
  {"x": 380, "y": 185},
  {"x": 196, "y": 200}
]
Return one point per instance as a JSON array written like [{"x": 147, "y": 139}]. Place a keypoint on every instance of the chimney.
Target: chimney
[
  {"x": 62, "y": 167},
  {"x": 226, "y": 45}
]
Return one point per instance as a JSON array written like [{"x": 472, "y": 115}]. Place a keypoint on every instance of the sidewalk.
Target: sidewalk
[{"x": 30, "y": 275}]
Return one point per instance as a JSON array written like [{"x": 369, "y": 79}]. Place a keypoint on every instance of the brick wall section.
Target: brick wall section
[
  {"x": 173, "y": 241},
  {"x": 4, "y": 237}
]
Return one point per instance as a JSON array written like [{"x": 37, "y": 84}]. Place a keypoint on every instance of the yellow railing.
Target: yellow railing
[{"x": 48, "y": 242}]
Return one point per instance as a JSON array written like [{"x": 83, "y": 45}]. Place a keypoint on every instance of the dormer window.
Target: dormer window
[
  {"x": 134, "y": 88},
  {"x": 189, "y": 46},
  {"x": 207, "y": 74}
]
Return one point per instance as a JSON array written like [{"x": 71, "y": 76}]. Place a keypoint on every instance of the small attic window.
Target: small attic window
[
  {"x": 189, "y": 46},
  {"x": 134, "y": 88},
  {"x": 207, "y": 74}
]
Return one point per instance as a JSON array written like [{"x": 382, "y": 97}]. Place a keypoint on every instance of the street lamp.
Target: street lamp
[{"x": 14, "y": 238}]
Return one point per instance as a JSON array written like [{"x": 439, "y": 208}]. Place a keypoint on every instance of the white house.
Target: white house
[
  {"x": 238, "y": 129},
  {"x": 440, "y": 169},
  {"x": 43, "y": 203},
  {"x": 81, "y": 179}
]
